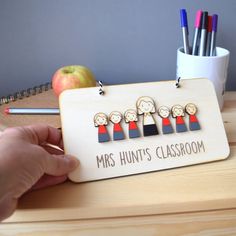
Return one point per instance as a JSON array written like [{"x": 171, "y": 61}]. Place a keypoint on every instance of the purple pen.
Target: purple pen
[
  {"x": 213, "y": 35},
  {"x": 184, "y": 26},
  {"x": 197, "y": 32}
]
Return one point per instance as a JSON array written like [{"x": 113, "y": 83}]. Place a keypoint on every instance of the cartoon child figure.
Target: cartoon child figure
[
  {"x": 191, "y": 110},
  {"x": 164, "y": 113},
  {"x": 116, "y": 117},
  {"x": 178, "y": 113},
  {"x": 100, "y": 121},
  {"x": 146, "y": 107},
  {"x": 131, "y": 118}
]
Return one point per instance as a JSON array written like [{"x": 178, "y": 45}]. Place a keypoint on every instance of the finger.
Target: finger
[
  {"x": 8, "y": 206},
  {"x": 44, "y": 133},
  {"x": 36, "y": 134},
  {"x": 53, "y": 149},
  {"x": 61, "y": 144},
  {"x": 48, "y": 180},
  {"x": 57, "y": 165}
]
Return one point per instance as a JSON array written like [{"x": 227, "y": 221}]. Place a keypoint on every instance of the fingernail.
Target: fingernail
[{"x": 73, "y": 161}]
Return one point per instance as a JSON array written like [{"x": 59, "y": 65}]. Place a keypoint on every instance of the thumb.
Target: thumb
[{"x": 58, "y": 165}]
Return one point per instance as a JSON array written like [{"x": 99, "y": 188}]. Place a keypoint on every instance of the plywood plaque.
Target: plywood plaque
[{"x": 142, "y": 127}]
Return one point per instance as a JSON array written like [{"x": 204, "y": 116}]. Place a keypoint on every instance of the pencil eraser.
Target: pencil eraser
[
  {"x": 6, "y": 111},
  {"x": 198, "y": 19}
]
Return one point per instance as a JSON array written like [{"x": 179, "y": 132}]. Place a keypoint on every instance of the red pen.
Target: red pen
[{"x": 209, "y": 31}]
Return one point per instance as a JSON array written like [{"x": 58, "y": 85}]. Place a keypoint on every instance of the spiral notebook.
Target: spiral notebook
[{"x": 41, "y": 96}]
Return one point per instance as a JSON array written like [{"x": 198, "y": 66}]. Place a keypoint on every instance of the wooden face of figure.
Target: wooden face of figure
[
  {"x": 191, "y": 109},
  {"x": 177, "y": 110},
  {"x": 131, "y": 115},
  {"x": 115, "y": 117},
  {"x": 145, "y": 105},
  {"x": 164, "y": 112},
  {"x": 100, "y": 119}
]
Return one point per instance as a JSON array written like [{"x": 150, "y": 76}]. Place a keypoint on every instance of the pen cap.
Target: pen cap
[
  {"x": 198, "y": 19},
  {"x": 204, "y": 20},
  {"x": 214, "y": 22},
  {"x": 183, "y": 17},
  {"x": 209, "y": 25}
]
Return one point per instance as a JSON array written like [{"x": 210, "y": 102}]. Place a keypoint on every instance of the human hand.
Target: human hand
[{"x": 28, "y": 161}]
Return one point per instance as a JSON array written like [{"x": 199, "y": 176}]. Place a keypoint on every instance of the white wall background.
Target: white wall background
[{"x": 121, "y": 41}]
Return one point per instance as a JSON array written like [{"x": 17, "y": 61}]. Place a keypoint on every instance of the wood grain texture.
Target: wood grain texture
[
  {"x": 144, "y": 154},
  {"x": 210, "y": 223},
  {"x": 196, "y": 188},
  {"x": 195, "y": 200}
]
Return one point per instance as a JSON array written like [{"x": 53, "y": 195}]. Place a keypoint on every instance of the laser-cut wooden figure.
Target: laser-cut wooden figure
[
  {"x": 178, "y": 114},
  {"x": 131, "y": 118},
  {"x": 191, "y": 110},
  {"x": 146, "y": 107},
  {"x": 100, "y": 121},
  {"x": 164, "y": 113},
  {"x": 115, "y": 117}
]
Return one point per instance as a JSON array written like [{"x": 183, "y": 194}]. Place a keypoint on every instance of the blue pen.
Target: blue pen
[{"x": 184, "y": 26}]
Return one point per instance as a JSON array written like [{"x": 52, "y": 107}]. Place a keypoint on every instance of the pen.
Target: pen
[
  {"x": 202, "y": 47},
  {"x": 213, "y": 35},
  {"x": 184, "y": 26},
  {"x": 197, "y": 32},
  {"x": 32, "y": 111},
  {"x": 209, "y": 30}
]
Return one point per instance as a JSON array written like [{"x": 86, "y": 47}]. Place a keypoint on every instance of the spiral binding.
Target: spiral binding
[{"x": 25, "y": 93}]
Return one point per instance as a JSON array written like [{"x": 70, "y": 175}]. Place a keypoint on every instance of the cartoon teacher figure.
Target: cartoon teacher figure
[
  {"x": 164, "y": 113},
  {"x": 118, "y": 133},
  {"x": 131, "y": 118},
  {"x": 191, "y": 110},
  {"x": 178, "y": 113},
  {"x": 100, "y": 121},
  {"x": 146, "y": 107}
]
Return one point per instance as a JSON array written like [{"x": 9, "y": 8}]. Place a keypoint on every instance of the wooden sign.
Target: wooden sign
[{"x": 143, "y": 127}]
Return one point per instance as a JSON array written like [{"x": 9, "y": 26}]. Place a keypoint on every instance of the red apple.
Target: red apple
[{"x": 71, "y": 77}]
